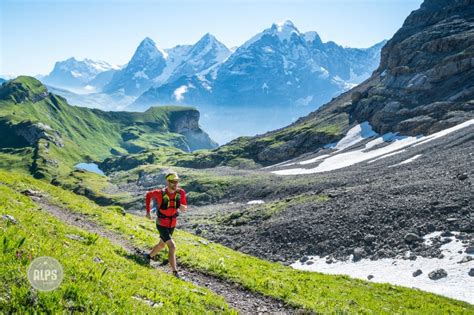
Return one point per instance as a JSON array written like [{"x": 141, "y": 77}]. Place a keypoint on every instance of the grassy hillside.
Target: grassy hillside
[
  {"x": 48, "y": 136},
  {"x": 314, "y": 291},
  {"x": 116, "y": 284}
]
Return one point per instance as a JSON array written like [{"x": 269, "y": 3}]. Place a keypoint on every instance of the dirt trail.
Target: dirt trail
[{"x": 243, "y": 300}]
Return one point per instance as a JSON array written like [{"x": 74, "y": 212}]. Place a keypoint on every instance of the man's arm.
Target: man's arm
[
  {"x": 148, "y": 201},
  {"x": 148, "y": 198},
  {"x": 183, "y": 204}
]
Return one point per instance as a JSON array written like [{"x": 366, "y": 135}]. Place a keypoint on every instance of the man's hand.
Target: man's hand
[
  {"x": 183, "y": 208},
  {"x": 148, "y": 215}
]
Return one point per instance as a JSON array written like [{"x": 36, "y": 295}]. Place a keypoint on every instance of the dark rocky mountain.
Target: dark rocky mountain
[{"x": 425, "y": 81}]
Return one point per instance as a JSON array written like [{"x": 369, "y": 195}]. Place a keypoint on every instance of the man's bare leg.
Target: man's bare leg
[
  {"x": 157, "y": 248},
  {"x": 172, "y": 254}
]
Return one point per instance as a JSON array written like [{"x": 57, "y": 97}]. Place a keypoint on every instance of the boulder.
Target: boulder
[
  {"x": 358, "y": 254},
  {"x": 9, "y": 218},
  {"x": 417, "y": 272},
  {"x": 438, "y": 274},
  {"x": 411, "y": 237},
  {"x": 470, "y": 249}
]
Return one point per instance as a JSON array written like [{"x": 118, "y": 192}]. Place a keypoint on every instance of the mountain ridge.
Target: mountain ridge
[{"x": 260, "y": 72}]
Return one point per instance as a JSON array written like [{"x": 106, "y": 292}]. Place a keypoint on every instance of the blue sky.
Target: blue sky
[{"x": 35, "y": 34}]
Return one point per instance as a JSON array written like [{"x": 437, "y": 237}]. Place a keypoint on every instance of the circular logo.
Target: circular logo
[{"x": 45, "y": 273}]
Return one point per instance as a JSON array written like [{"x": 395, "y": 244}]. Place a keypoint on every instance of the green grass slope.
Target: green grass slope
[
  {"x": 40, "y": 131},
  {"x": 313, "y": 291},
  {"x": 116, "y": 284}
]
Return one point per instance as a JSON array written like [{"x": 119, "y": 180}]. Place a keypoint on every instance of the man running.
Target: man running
[{"x": 168, "y": 200}]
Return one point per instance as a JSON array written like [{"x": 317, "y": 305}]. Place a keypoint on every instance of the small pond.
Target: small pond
[{"x": 90, "y": 167}]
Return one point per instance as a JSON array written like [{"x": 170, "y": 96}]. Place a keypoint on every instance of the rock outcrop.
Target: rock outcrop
[
  {"x": 425, "y": 79},
  {"x": 187, "y": 124},
  {"x": 33, "y": 132}
]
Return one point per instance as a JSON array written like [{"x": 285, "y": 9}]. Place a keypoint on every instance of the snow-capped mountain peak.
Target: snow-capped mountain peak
[
  {"x": 101, "y": 65},
  {"x": 284, "y": 30},
  {"x": 205, "y": 54},
  {"x": 312, "y": 37},
  {"x": 207, "y": 38},
  {"x": 147, "y": 49},
  {"x": 74, "y": 73}
]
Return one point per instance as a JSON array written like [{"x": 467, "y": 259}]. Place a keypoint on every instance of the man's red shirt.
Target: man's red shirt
[{"x": 156, "y": 195}]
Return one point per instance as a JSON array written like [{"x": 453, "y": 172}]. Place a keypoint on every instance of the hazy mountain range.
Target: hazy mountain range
[
  {"x": 279, "y": 66},
  {"x": 280, "y": 74}
]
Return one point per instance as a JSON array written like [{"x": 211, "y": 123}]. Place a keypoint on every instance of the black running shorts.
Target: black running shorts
[{"x": 165, "y": 232}]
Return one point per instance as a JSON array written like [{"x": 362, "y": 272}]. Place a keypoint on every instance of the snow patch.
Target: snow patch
[
  {"x": 386, "y": 155},
  {"x": 268, "y": 49},
  {"x": 140, "y": 75},
  {"x": 76, "y": 74},
  {"x": 355, "y": 135},
  {"x": 458, "y": 284},
  {"x": 310, "y": 36},
  {"x": 314, "y": 159},
  {"x": 407, "y": 160},
  {"x": 254, "y": 202},
  {"x": 285, "y": 30}
]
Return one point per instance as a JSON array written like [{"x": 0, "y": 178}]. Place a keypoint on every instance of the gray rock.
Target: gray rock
[
  {"x": 446, "y": 234},
  {"x": 31, "y": 192},
  {"x": 33, "y": 132},
  {"x": 98, "y": 260},
  {"x": 358, "y": 254},
  {"x": 329, "y": 260},
  {"x": 471, "y": 272},
  {"x": 470, "y": 249},
  {"x": 75, "y": 237},
  {"x": 417, "y": 272},
  {"x": 369, "y": 238},
  {"x": 9, "y": 218},
  {"x": 438, "y": 274},
  {"x": 465, "y": 259},
  {"x": 411, "y": 237},
  {"x": 370, "y": 277},
  {"x": 430, "y": 227}
]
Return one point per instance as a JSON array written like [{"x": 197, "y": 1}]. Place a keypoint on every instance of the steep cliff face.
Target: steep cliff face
[
  {"x": 187, "y": 124},
  {"x": 425, "y": 81}
]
